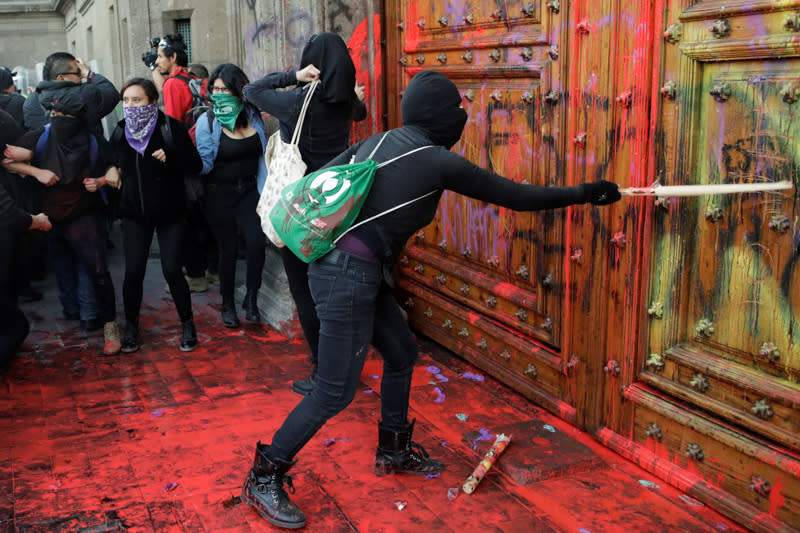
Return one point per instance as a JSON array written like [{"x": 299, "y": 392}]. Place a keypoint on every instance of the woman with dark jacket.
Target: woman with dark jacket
[
  {"x": 325, "y": 134},
  {"x": 355, "y": 304},
  {"x": 231, "y": 142},
  {"x": 153, "y": 152}
]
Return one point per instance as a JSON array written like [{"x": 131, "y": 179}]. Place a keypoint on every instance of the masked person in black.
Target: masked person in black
[
  {"x": 231, "y": 141},
  {"x": 354, "y": 300},
  {"x": 73, "y": 165},
  {"x": 14, "y": 221},
  {"x": 153, "y": 151},
  {"x": 336, "y": 103}
]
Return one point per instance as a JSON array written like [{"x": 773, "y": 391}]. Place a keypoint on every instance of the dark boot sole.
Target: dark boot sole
[
  {"x": 383, "y": 469},
  {"x": 300, "y": 390},
  {"x": 129, "y": 349},
  {"x": 188, "y": 348},
  {"x": 250, "y": 503}
]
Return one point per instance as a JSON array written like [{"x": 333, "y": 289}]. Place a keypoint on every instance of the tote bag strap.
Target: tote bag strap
[{"x": 299, "y": 126}]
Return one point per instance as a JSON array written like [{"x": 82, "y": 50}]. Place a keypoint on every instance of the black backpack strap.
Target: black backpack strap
[{"x": 183, "y": 78}]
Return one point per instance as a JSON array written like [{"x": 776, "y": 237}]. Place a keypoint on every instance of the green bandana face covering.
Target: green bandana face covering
[{"x": 227, "y": 108}]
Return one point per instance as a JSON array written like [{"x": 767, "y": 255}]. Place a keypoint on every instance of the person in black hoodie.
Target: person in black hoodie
[
  {"x": 14, "y": 221},
  {"x": 10, "y": 100},
  {"x": 336, "y": 103},
  {"x": 353, "y": 295},
  {"x": 154, "y": 152}
]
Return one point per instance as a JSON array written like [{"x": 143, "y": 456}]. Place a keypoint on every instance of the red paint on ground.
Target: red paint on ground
[{"x": 160, "y": 440}]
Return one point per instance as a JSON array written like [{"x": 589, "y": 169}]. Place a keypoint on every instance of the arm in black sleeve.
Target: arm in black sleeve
[
  {"x": 182, "y": 156},
  {"x": 106, "y": 156},
  {"x": 109, "y": 96},
  {"x": 465, "y": 178},
  {"x": 359, "y": 111},
  {"x": 263, "y": 94},
  {"x": 35, "y": 114},
  {"x": 12, "y": 219}
]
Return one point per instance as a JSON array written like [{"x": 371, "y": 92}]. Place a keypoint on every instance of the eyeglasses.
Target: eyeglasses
[
  {"x": 216, "y": 89},
  {"x": 77, "y": 73}
]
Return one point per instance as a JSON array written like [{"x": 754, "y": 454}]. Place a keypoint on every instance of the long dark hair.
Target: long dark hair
[
  {"x": 234, "y": 79},
  {"x": 147, "y": 86}
]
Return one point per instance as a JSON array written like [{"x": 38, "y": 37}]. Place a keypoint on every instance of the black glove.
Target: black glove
[{"x": 601, "y": 192}]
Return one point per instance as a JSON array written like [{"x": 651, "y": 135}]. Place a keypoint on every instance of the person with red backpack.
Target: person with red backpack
[{"x": 171, "y": 74}]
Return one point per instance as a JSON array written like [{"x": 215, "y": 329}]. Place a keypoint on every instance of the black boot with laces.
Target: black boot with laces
[
  {"x": 263, "y": 490},
  {"x": 397, "y": 453}
]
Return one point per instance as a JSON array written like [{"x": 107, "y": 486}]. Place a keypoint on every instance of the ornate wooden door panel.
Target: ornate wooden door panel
[
  {"x": 481, "y": 279},
  {"x": 719, "y": 387}
]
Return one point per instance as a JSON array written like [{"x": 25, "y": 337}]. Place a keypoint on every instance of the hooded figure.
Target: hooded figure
[
  {"x": 328, "y": 52},
  {"x": 67, "y": 150},
  {"x": 432, "y": 102}
]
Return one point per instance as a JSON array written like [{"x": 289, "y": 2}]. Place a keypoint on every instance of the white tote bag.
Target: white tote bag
[{"x": 284, "y": 166}]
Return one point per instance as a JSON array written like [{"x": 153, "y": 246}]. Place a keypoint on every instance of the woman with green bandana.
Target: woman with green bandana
[{"x": 231, "y": 141}]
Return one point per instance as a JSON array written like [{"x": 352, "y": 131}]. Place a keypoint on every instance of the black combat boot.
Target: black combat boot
[
  {"x": 305, "y": 386},
  {"x": 250, "y": 305},
  {"x": 130, "y": 337},
  {"x": 229, "y": 318},
  {"x": 263, "y": 490},
  {"x": 396, "y": 453},
  {"x": 189, "y": 338}
]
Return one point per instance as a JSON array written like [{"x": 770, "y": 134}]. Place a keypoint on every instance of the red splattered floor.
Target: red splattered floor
[{"x": 160, "y": 440}]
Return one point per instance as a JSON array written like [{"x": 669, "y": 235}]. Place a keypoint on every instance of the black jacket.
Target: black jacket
[
  {"x": 12, "y": 219},
  {"x": 12, "y": 103},
  {"x": 326, "y": 129},
  {"x": 99, "y": 94},
  {"x": 153, "y": 192}
]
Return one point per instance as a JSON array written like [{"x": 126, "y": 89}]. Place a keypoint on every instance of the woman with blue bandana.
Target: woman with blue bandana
[
  {"x": 231, "y": 142},
  {"x": 153, "y": 152}
]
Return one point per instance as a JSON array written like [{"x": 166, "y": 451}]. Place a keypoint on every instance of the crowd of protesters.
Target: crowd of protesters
[{"x": 151, "y": 175}]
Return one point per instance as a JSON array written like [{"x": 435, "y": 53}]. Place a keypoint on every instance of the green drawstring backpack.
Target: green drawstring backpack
[{"x": 319, "y": 208}]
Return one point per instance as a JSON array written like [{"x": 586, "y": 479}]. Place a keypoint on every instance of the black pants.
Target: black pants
[
  {"x": 14, "y": 326},
  {"x": 136, "y": 239},
  {"x": 297, "y": 273},
  {"x": 355, "y": 309},
  {"x": 200, "y": 251},
  {"x": 86, "y": 236},
  {"x": 229, "y": 206}
]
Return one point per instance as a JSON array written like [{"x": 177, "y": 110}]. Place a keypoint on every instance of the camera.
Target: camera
[{"x": 149, "y": 57}]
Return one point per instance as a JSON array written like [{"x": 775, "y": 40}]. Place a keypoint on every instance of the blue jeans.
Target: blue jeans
[
  {"x": 85, "y": 237},
  {"x": 355, "y": 309},
  {"x": 75, "y": 287}
]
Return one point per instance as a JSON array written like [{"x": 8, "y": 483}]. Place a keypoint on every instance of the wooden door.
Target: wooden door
[
  {"x": 481, "y": 279},
  {"x": 718, "y": 392}
]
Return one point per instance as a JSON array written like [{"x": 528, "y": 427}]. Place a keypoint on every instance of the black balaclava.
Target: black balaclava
[
  {"x": 67, "y": 150},
  {"x": 432, "y": 102},
  {"x": 328, "y": 52}
]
